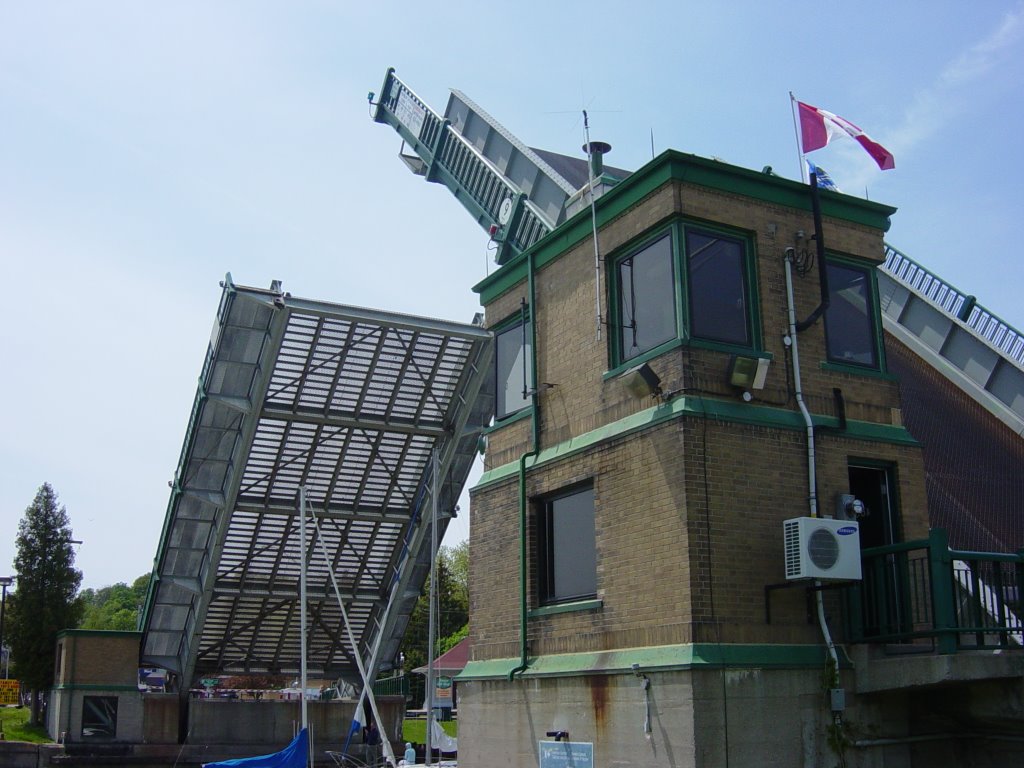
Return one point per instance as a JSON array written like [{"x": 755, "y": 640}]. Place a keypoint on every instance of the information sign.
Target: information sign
[
  {"x": 409, "y": 113},
  {"x": 9, "y": 691},
  {"x": 566, "y": 754}
]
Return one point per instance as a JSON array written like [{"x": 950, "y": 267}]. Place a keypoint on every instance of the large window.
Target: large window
[
  {"x": 717, "y": 280},
  {"x": 566, "y": 557},
  {"x": 647, "y": 306},
  {"x": 688, "y": 283},
  {"x": 513, "y": 366},
  {"x": 851, "y": 334}
]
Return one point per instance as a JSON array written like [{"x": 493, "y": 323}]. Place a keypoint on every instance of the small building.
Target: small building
[
  {"x": 96, "y": 696},
  {"x": 446, "y": 667}
]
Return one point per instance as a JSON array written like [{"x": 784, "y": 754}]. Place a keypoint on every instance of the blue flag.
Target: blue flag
[{"x": 824, "y": 180}]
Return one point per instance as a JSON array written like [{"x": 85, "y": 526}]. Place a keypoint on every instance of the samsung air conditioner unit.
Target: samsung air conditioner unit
[{"x": 821, "y": 548}]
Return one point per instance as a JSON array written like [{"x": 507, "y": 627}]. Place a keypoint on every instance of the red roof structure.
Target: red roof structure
[{"x": 452, "y": 661}]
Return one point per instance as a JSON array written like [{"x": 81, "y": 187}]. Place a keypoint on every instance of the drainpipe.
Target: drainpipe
[
  {"x": 819, "y": 244},
  {"x": 534, "y": 450},
  {"x": 812, "y": 485}
]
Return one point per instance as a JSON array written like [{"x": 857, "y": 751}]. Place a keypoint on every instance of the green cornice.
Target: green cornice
[
  {"x": 99, "y": 633},
  {"x": 664, "y": 658},
  {"x": 691, "y": 169},
  {"x": 725, "y": 410}
]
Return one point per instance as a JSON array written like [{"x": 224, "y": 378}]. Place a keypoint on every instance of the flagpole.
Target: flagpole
[{"x": 796, "y": 134}]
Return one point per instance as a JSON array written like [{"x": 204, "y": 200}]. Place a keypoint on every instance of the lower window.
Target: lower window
[
  {"x": 99, "y": 717},
  {"x": 566, "y": 555}
]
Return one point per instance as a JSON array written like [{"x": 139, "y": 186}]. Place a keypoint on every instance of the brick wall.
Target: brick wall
[{"x": 688, "y": 514}]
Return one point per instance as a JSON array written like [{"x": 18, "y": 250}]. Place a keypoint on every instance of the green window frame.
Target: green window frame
[
  {"x": 687, "y": 283},
  {"x": 513, "y": 364},
  {"x": 853, "y": 321}
]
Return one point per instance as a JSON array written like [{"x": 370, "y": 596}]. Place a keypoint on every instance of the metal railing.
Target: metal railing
[
  {"x": 923, "y": 590},
  {"x": 391, "y": 686},
  {"x": 452, "y": 160},
  {"x": 955, "y": 303}
]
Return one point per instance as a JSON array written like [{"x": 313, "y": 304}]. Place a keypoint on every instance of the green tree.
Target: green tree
[
  {"x": 452, "y": 615},
  {"x": 46, "y": 600},
  {"x": 115, "y": 607}
]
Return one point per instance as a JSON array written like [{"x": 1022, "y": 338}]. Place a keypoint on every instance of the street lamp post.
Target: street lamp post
[{"x": 5, "y": 582}]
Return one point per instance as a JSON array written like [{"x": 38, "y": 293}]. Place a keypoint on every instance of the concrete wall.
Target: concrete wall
[{"x": 229, "y": 721}]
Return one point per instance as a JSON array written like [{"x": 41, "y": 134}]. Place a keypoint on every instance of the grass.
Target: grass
[
  {"x": 16, "y": 728},
  {"x": 415, "y": 731}
]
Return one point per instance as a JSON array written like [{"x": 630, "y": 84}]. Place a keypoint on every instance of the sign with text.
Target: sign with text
[
  {"x": 9, "y": 691},
  {"x": 410, "y": 113},
  {"x": 566, "y": 754}
]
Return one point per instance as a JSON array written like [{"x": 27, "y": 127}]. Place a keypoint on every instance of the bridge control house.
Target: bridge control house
[{"x": 702, "y": 536}]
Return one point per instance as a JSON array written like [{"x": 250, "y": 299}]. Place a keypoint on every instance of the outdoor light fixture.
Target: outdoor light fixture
[
  {"x": 558, "y": 735},
  {"x": 642, "y": 381},
  {"x": 748, "y": 372}
]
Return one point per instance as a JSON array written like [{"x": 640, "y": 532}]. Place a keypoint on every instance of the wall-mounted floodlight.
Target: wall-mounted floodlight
[
  {"x": 748, "y": 372},
  {"x": 642, "y": 381}
]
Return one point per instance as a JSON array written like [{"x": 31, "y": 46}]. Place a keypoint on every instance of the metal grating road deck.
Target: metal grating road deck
[{"x": 349, "y": 403}]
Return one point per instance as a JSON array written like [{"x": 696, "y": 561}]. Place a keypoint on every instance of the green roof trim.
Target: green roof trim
[
  {"x": 726, "y": 410},
  {"x": 99, "y": 633},
  {"x": 691, "y": 169},
  {"x": 663, "y": 658}
]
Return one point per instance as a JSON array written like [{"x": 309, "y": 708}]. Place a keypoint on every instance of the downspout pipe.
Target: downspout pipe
[
  {"x": 532, "y": 453},
  {"x": 812, "y": 485},
  {"x": 819, "y": 243}
]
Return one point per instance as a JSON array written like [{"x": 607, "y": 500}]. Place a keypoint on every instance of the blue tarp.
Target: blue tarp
[{"x": 295, "y": 755}]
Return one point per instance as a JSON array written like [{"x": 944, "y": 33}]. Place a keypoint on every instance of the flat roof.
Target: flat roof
[{"x": 349, "y": 403}]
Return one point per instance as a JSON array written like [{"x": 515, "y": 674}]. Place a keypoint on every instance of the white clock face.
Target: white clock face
[{"x": 505, "y": 212}]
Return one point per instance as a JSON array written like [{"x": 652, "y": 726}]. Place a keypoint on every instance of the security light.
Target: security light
[
  {"x": 748, "y": 372},
  {"x": 642, "y": 381}
]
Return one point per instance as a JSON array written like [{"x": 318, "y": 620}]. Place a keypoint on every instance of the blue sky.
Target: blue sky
[{"x": 146, "y": 149}]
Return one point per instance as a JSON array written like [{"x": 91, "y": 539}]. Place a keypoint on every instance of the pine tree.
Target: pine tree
[{"x": 46, "y": 600}]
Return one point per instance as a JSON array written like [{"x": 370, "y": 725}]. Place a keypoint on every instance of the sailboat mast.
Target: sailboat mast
[
  {"x": 432, "y": 603},
  {"x": 302, "y": 603}
]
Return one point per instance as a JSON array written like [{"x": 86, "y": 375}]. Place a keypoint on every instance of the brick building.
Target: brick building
[{"x": 627, "y": 547}]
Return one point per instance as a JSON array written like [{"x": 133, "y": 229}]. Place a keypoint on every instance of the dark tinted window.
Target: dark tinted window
[
  {"x": 716, "y": 268},
  {"x": 850, "y": 319},
  {"x": 568, "y": 561},
  {"x": 647, "y": 303}
]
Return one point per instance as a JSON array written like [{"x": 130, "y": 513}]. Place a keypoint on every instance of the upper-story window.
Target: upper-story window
[
  {"x": 513, "y": 366},
  {"x": 647, "y": 305},
  {"x": 702, "y": 291},
  {"x": 716, "y": 268},
  {"x": 851, "y": 330}
]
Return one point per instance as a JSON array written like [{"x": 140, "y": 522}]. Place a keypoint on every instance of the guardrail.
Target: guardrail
[
  {"x": 925, "y": 590},
  {"x": 955, "y": 303}
]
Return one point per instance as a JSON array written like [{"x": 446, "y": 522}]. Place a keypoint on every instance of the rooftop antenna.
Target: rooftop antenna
[{"x": 595, "y": 150}]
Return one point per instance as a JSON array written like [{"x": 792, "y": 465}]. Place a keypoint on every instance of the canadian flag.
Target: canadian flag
[{"x": 819, "y": 126}]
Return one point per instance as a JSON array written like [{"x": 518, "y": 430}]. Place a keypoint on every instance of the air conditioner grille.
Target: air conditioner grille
[{"x": 822, "y": 548}]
